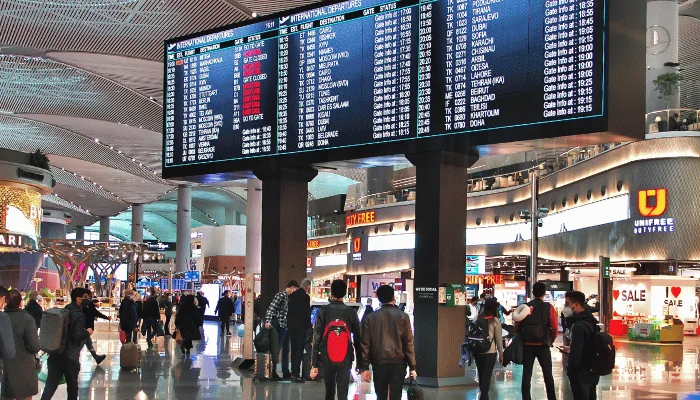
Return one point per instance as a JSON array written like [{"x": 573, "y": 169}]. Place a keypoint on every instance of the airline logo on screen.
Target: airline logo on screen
[{"x": 652, "y": 204}]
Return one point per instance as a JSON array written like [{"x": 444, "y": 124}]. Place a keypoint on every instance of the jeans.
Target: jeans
[
  {"x": 336, "y": 376},
  {"x": 167, "y": 325},
  {"x": 388, "y": 380},
  {"x": 543, "y": 355},
  {"x": 91, "y": 347},
  {"x": 584, "y": 385},
  {"x": 298, "y": 342},
  {"x": 131, "y": 336},
  {"x": 225, "y": 322},
  {"x": 284, "y": 343},
  {"x": 59, "y": 366},
  {"x": 484, "y": 367},
  {"x": 150, "y": 328}
]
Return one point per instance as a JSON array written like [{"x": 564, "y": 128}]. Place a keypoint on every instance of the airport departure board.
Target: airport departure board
[{"x": 362, "y": 72}]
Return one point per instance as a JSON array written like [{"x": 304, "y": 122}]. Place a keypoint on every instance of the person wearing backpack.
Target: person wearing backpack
[
  {"x": 387, "y": 343},
  {"x": 538, "y": 331},
  {"x": 336, "y": 333},
  {"x": 489, "y": 328},
  {"x": 67, "y": 362},
  {"x": 582, "y": 351}
]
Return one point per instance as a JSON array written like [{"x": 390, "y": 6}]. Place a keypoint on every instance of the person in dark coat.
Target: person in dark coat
[
  {"x": 187, "y": 321},
  {"x": 225, "y": 309},
  {"x": 34, "y": 309},
  {"x": 166, "y": 304},
  {"x": 91, "y": 314},
  {"x": 67, "y": 364},
  {"x": 151, "y": 315},
  {"x": 299, "y": 325},
  {"x": 21, "y": 375},
  {"x": 128, "y": 317},
  {"x": 203, "y": 303}
]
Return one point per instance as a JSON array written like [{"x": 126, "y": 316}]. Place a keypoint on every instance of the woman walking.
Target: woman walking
[
  {"x": 187, "y": 321},
  {"x": 21, "y": 380},
  {"x": 485, "y": 362}
]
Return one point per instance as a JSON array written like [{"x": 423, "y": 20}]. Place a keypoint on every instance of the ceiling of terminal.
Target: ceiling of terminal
[{"x": 82, "y": 81}]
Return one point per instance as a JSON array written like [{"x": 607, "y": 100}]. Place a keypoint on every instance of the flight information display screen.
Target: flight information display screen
[{"x": 363, "y": 72}]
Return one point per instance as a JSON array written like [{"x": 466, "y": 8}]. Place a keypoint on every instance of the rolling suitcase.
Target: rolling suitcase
[
  {"x": 130, "y": 356},
  {"x": 263, "y": 367}
]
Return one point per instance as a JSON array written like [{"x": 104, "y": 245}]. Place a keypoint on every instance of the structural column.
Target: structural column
[
  {"x": 441, "y": 215},
  {"x": 284, "y": 204},
  {"x": 79, "y": 232},
  {"x": 184, "y": 227},
  {"x": 253, "y": 228},
  {"x": 137, "y": 223},
  {"x": 104, "y": 229},
  {"x": 662, "y": 50}
]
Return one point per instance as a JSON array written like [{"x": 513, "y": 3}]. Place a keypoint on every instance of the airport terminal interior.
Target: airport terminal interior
[{"x": 464, "y": 153}]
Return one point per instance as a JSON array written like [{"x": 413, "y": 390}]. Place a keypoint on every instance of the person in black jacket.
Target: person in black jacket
[
  {"x": 225, "y": 309},
  {"x": 91, "y": 314},
  {"x": 151, "y": 316},
  {"x": 34, "y": 309},
  {"x": 203, "y": 303},
  {"x": 336, "y": 375},
  {"x": 68, "y": 363},
  {"x": 128, "y": 316},
  {"x": 298, "y": 324},
  {"x": 581, "y": 351},
  {"x": 187, "y": 321}
]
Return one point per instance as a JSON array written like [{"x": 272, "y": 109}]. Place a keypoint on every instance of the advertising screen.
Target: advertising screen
[{"x": 370, "y": 72}]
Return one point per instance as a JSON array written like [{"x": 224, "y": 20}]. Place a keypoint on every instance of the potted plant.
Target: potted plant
[
  {"x": 668, "y": 85},
  {"x": 40, "y": 160}
]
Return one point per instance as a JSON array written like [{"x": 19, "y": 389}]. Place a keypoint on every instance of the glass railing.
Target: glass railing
[
  {"x": 672, "y": 120},
  {"x": 325, "y": 226},
  {"x": 494, "y": 182}
]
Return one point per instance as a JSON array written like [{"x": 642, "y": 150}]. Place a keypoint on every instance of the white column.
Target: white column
[
  {"x": 662, "y": 48},
  {"x": 184, "y": 227},
  {"x": 137, "y": 223},
  {"x": 253, "y": 234}
]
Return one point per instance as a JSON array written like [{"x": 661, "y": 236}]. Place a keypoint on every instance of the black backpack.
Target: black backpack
[
  {"x": 604, "y": 358},
  {"x": 478, "y": 340},
  {"x": 535, "y": 328}
]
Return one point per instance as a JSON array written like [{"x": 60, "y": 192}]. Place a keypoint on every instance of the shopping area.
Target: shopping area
[{"x": 628, "y": 202}]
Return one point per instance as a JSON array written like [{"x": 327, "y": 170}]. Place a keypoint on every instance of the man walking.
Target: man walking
[
  {"x": 91, "y": 314},
  {"x": 151, "y": 316},
  {"x": 387, "y": 344},
  {"x": 299, "y": 322},
  {"x": 335, "y": 323},
  {"x": 581, "y": 352},
  {"x": 224, "y": 307},
  {"x": 538, "y": 331},
  {"x": 67, "y": 364},
  {"x": 166, "y": 304},
  {"x": 277, "y": 316},
  {"x": 203, "y": 303},
  {"x": 7, "y": 340}
]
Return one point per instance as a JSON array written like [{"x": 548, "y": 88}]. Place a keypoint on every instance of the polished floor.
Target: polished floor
[{"x": 644, "y": 372}]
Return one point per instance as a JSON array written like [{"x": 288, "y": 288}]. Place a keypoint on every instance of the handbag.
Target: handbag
[
  {"x": 414, "y": 392},
  {"x": 514, "y": 352},
  {"x": 44, "y": 370},
  {"x": 178, "y": 337}
]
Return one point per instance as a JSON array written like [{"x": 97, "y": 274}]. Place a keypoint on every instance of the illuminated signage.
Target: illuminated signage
[
  {"x": 365, "y": 217},
  {"x": 476, "y": 265},
  {"x": 630, "y": 295},
  {"x": 357, "y": 249},
  {"x": 196, "y": 235},
  {"x": 17, "y": 241},
  {"x": 313, "y": 244},
  {"x": 154, "y": 245},
  {"x": 484, "y": 279},
  {"x": 652, "y": 203}
]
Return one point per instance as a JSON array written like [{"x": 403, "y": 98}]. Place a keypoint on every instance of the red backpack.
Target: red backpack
[{"x": 337, "y": 341}]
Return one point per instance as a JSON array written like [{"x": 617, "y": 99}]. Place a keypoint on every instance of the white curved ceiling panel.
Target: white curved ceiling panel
[{"x": 133, "y": 28}]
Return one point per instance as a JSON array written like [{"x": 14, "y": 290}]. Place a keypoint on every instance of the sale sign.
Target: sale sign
[{"x": 676, "y": 300}]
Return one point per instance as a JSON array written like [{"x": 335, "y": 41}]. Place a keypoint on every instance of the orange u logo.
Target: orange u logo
[
  {"x": 652, "y": 211},
  {"x": 357, "y": 244}
]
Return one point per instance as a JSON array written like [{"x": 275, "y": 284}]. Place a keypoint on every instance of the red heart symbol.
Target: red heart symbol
[
  {"x": 616, "y": 294},
  {"x": 675, "y": 291}
]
